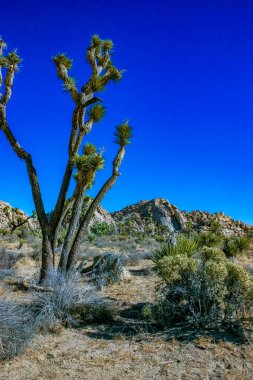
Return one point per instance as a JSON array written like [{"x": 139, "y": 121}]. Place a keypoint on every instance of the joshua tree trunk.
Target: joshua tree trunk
[
  {"x": 72, "y": 228},
  {"x": 84, "y": 166},
  {"x": 47, "y": 259},
  {"x": 84, "y": 225}
]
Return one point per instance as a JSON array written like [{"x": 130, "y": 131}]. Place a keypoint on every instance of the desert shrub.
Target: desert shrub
[
  {"x": 184, "y": 246},
  {"x": 230, "y": 248},
  {"x": 160, "y": 238},
  {"x": 208, "y": 239},
  {"x": 21, "y": 243},
  {"x": 102, "y": 229},
  {"x": 4, "y": 231},
  {"x": 91, "y": 237},
  {"x": 8, "y": 259},
  {"x": 16, "y": 328},
  {"x": 216, "y": 227},
  {"x": 243, "y": 242},
  {"x": 234, "y": 246},
  {"x": 69, "y": 301},
  {"x": 205, "y": 290}
]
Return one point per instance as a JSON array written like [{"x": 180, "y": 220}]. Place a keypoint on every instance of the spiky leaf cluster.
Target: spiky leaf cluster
[
  {"x": 69, "y": 84},
  {"x": 89, "y": 149},
  {"x": 13, "y": 58},
  {"x": 96, "y": 41},
  {"x": 88, "y": 164},
  {"x": 3, "y": 62},
  {"x": 97, "y": 113},
  {"x": 62, "y": 59},
  {"x": 114, "y": 73},
  {"x": 107, "y": 45},
  {"x": 123, "y": 134},
  {"x": 100, "y": 45},
  {"x": 96, "y": 83}
]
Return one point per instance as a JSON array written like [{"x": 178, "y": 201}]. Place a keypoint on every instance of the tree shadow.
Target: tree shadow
[
  {"x": 141, "y": 272},
  {"x": 131, "y": 325}
]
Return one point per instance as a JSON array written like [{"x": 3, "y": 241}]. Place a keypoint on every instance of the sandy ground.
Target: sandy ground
[{"x": 127, "y": 350}]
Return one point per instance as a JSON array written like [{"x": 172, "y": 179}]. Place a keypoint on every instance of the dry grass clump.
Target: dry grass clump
[
  {"x": 70, "y": 303},
  {"x": 16, "y": 328},
  {"x": 8, "y": 259}
]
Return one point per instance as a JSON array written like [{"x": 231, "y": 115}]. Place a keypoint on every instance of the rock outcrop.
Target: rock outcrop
[
  {"x": 7, "y": 213},
  {"x": 149, "y": 216},
  {"x": 10, "y": 216},
  {"x": 205, "y": 221},
  {"x": 101, "y": 215},
  {"x": 106, "y": 269}
]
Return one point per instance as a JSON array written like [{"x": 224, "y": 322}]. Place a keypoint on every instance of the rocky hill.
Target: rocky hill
[
  {"x": 10, "y": 216},
  {"x": 204, "y": 221},
  {"x": 148, "y": 216}
]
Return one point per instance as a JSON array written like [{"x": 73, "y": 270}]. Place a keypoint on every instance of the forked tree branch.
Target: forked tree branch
[
  {"x": 33, "y": 178},
  {"x": 84, "y": 224}
]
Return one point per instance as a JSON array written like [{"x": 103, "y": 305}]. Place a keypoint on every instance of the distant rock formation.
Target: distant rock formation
[
  {"x": 9, "y": 215},
  {"x": 152, "y": 214},
  {"x": 101, "y": 215},
  {"x": 205, "y": 221},
  {"x": 148, "y": 215}
]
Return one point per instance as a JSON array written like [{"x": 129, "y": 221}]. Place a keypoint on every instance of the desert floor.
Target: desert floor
[{"x": 128, "y": 348}]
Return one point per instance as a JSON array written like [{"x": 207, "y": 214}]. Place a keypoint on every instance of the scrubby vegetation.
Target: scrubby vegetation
[
  {"x": 205, "y": 291},
  {"x": 67, "y": 302},
  {"x": 182, "y": 246},
  {"x": 202, "y": 287},
  {"x": 16, "y": 328},
  {"x": 187, "y": 293}
]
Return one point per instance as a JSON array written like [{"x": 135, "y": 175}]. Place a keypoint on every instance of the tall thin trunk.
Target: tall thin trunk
[
  {"x": 84, "y": 225},
  {"x": 72, "y": 228},
  {"x": 47, "y": 258}
]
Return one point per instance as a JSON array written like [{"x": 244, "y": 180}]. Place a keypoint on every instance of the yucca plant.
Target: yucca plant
[
  {"x": 183, "y": 247},
  {"x": 208, "y": 239}
]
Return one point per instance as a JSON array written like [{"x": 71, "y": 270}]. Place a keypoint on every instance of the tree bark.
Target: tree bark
[
  {"x": 72, "y": 228},
  {"x": 47, "y": 259}
]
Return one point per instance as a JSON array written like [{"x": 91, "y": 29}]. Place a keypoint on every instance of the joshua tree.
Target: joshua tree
[{"x": 83, "y": 159}]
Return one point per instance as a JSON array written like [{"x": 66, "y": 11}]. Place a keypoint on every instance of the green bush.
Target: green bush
[
  {"x": 230, "y": 248},
  {"x": 208, "y": 239},
  {"x": 183, "y": 246},
  {"x": 234, "y": 246},
  {"x": 243, "y": 242},
  {"x": 102, "y": 229},
  {"x": 204, "y": 290},
  {"x": 4, "y": 231}
]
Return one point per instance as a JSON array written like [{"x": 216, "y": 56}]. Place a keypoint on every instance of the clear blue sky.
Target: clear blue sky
[{"x": 187, "y": 91}]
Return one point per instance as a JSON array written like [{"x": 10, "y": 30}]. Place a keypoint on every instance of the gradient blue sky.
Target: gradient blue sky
[{"x": 187, "y": 91}]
